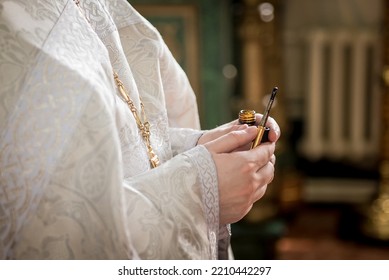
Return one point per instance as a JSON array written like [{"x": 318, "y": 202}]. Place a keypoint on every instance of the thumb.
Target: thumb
[{"x": 232, "y": 140}]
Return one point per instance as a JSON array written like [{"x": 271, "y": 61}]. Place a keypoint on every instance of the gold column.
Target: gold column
[
  {"x": 252, "y": 56},
  {"x": 376, "y": 224},
  {"x": 261, "y": 61},
  {"x": 260, "y": 58}
]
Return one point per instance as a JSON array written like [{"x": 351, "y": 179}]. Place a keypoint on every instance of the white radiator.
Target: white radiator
[{"x": 342, "y": 105}]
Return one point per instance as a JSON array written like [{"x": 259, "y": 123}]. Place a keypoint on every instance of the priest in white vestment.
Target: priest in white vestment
[{"x": 75, "y": 174}]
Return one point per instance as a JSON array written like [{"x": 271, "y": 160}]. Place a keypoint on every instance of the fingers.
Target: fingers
[
  {"x": 259, "y": 193},
  {"x": 273, "y": 159},
  {"x": 275, "y": 131},
  {"x": 262, "y": 154},
  {"x": 261, "y": 177},
  {"x": 265, "y": 176},
  {"x": 267, "y": 173},
  {"x": 232, "y": 140},
  {"x": 215, "y": 133},
  {"x": 243, "y": 176},
  {"x": 258, "y": 189}
]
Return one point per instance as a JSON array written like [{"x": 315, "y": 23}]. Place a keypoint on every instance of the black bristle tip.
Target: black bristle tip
[{"x": 274, "y": 91}]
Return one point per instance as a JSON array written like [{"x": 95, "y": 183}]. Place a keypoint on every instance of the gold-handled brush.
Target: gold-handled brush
[{"x": 262, "y": 123}]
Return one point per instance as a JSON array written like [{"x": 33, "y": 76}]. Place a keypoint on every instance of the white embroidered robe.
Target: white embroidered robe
[{"x": 75, "y": 181}]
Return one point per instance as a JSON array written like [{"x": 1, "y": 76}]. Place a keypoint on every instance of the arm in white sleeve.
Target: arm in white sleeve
[
  {"x": 176, "y": 208},
  {"x": 181, "y": 102},
  {"x": 183, "y": 139}
]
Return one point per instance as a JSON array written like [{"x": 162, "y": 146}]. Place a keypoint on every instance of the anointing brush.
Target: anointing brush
[{"x": 262, "y": 123}]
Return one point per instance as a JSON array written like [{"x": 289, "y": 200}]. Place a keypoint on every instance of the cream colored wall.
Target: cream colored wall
[
  {"x": 346, "y": 17},
  {"x": 302, "y": 16}
]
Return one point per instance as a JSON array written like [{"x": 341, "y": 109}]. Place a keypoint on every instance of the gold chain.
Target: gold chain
[{"x": 143, "y": 125}]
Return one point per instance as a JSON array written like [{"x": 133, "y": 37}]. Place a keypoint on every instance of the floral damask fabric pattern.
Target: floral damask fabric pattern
[{"x": 72, "y": 162}]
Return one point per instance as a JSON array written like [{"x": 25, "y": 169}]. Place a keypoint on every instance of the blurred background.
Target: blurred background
[{"x": 330, "y": 60}]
